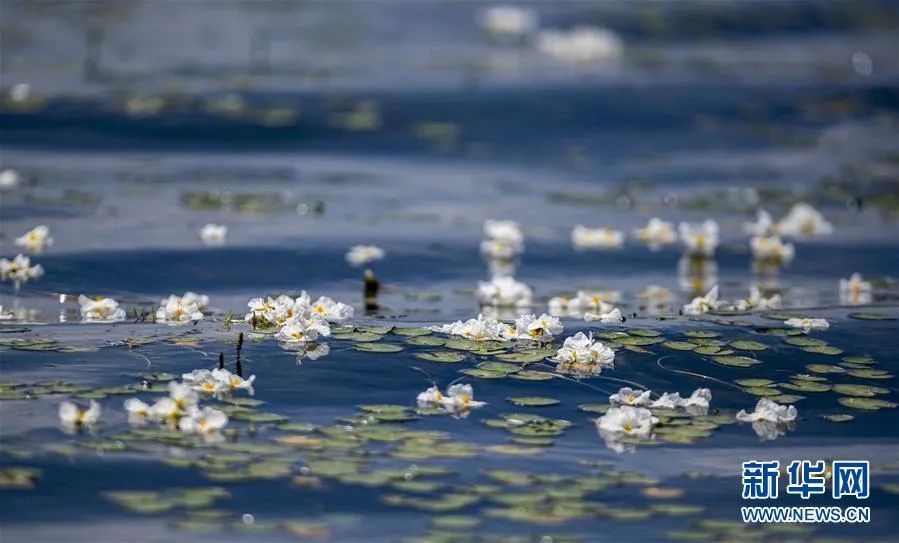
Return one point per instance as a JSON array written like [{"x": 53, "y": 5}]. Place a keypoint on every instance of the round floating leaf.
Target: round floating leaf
[
  {"x": 736, "y": 361},
  {"x": 823, "y": 349},
  {"x": 484, "y": 374},
  {"x": 804, "y": 341},
  {"x": 600, "y": 408},
  {"x": 680, "y": 345},
  {"x": 806, "y": 386},
  {"x": 782, "y": 316},
  {"x": 533, "y": 401},
  {"x": 357, "y": 336},
  {"x": 754, "y": 382},
  {"x": 462, "y": 344},
  {"x": 762, "y": 391},
  {"x": 871, "y": 316},
  {"x": 787, "y": 398},
  {"x": 441, "y": 356},
  {"x": 528, "y": 375},
  {"x": 499, "y": 366},
  {"x": 871, "y": 374},
  {"x": 837, "y": 417},
  {"x": 639, "y": 341},
  {"x": 824, "y": 368},
  {"x": 859, "y": 390},
  {"x": 704, "y": 334},
  {"x": 711, "y": 350},
  {"x": 871, "y": 404},
  {"x": 377, "y": 347},
  {"x": 431, "y": 341},
  {"x": 521, "y": 358},
  {"x": 380, "y": 330},
  {"x": 412, "y": 332},
  {"x": 644, "y": 332},
  {"x": 746, "y": 345},
  {"x": 858, "y": 359}
]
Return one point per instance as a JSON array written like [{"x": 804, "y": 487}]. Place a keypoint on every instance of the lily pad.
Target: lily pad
[
  {"x": 736, "y": 361},
  {"x": 377, "y": 347},
  {"x": 533, "y": 401},
  {"x": 870, "y": 404},
  {"x": 746, "y": 345},
  {"x": 441, "y": 356}
]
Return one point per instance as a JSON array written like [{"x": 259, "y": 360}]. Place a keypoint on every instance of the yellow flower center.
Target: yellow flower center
[{"x": 628, "y": 427}]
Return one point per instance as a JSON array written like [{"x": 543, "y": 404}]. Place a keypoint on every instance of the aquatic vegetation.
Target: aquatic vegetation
[
  {"x": 807, "y": 325},
  {"x": 206, "y": 422},
  {"x": 596, "y": 238},
  {"x": 100, "y": 309},
  {"x": 770, "y": 249},
  {"x": 504, "y": 240},
  {"x": 757, "y": 301},
  {"x": 213, "y": 235},
  {"x": 625, "y": 422},
  {"x": 180, "y": 309},
  {"x": 582, "y": 45},
  {"x": 703, "y": 304},
  {"x": 19, "y": 269},
  {"x": 855, "y": 291},
  {"x": 504, "y": 291},
  {"x": 9, "y": 179},
  {"x": 73, "y": 417},
  {"x": 507, "y": 21},
  {"x": 697, "y": 404},
  {"x": 612, "y": 316},
  {"x": 629, "y": 396},
  {"x": 303, "y": 330},
  {"x": 770, "y": 419},
  {"x": 804, "y": 221},
  {"x": 656, "y": 234},
  {"x": 458, "y": 400},
  {"x": 583, "y": 349},
  {"x": 35, "y": 240},
  {"x": 364, "y": 254},
  {"x": 699, "y": 239}
]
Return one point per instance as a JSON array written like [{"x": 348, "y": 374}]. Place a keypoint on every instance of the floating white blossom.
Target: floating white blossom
[
  {"x": 627, "y": 421},
  {"x": 808, "y": 325},
  {"x": 696, "y": 404},
  {"x": 100, "y": 309},
  {"x": 583, "y": 349},
  {"x": 855, "y": 291},
  {"x": 581, "y": 45},
  {"x": 178, "y": 309},
  {"x": 363, "y": 254},
  {"x": 703, "y": 304},
  {"x": 459, "y": 399},
  {"x": 184, "y": 396},
  {"x": 137, "y": 410},
  {"x": 763, "y": 226},
  {"x": 596, "y": 238},
  {"x": 629, "y": 396},
  {"x": 213, "y": 235},
  {"x": 165, "y": 410},
  {"x": 205, "y": 422},
  {"x": 656, "y": 233},
  {"x": 480, "y": 329},
  {"x": 609, "y": 317},
  {"x": 770, "y": 419},
  {"x": 504, "y": 291},
  {"x": 699, "y": 239},
  {"x": 9, "y": 179},
  {"x": 532, "y": 327},
  {"x": 327, "y": 309},
  {"x": 303, "y": 330},
  {"x": 803, "y": 221},
  {"x": 71, "y": 416},
  {"x": 772, "y": 248},
  {"x": 757, "y": 301},
  {"x": 508, "y": 22},
  {"x": 19, "y": 269},
  {"x": 35, "y": 240}
]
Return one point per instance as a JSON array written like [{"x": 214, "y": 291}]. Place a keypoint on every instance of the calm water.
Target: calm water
[{"x": 402, "y": 125}]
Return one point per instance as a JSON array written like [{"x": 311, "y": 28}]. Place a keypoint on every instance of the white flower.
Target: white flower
[
  {"x": 656, "y": 233},
  {"x": 165, "y": 410},
  {"x": 205, "y": 381},
  {"x": 504, "y": 292},
  {"x": 303, "y": 330},
  {"x": 581, "y": 45},
  {"x": 496, "y": 249},
  {"x": 703, "y": 304},
  {"x": 36, "y": 240},
  {"x": 612, "y": 316},
  {"x": 629, "y": 396},
  {"x": 600, "y": 301},
  {"x": 204, "y": 422},
  {"x": 230, "y": 382},
  {"x": 178, "y": 309},
  {"x": 9, "y": 179},
  {"x": 596, "y": 238},
  {"x": 100, "y": 309},
  {"x": 531, "y": 327},
  {"x": 583, "y": 349},
  {"x": 213, "y": 234},
  {"x": 699, "y": 239},
  {"x": 757, "y": 301},
  {"x": 276, "y": 312},
  {"x": 193, "y": 298},
  {"x": 184, "y": 396},
  {"x": 459, "y": 398},
  {"x": 72, "y": 416},
  {"x": 854, "y": 291},
  {"x": 363, "y": 254},
  {"x": 762, "y": 227},
  {"x": 696, "y": 404},
  {"x": 20, "y": 92},
  {"x": 804, "y": 221},
  {"x": 19, "y": 269},
  {"x": 306, "y": 350},
  {"x": 430, "y": 397},
  {"x": 505, "y": 231},
  {"x": 808, "y": 324},
  {"x": 327, "y": 309},
  {"x": 769, "y": 418},
  {"x": 508, "y": 21},
  {"x": 137, "y": 410},
  {"x": 562, "y": 306},
  {"x": 627, "y": 421},
  {"x": 479, "y": 329},
  {"x": 772, "y": 248}
]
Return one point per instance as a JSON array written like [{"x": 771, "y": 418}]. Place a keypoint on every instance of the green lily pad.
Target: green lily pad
[
  {"x": 804, "y": 341},
  {"x": 377, "y": 347},
  {"x": 703, "y": 334},
  {"x": 430, "y": 341},
  {"x": 837, "y": 417},
  {"x": 823, "y": 349},
  {"x": 528, "y": 375},
  {"x": 806, "y": 386},
  {"x": 859, "y": 390},
  {"x": 680, "y": 345},
  {"x": 533, "y": 401},
  {"x": 824, "y": 368},
  {"x": 870, "y": 404},
  {"x": 870, "y": 374},
  {"x": 644, "y": 332},
  {"x": 484, "y": 374},
  {"x": 746, "y": 345},
  {"x": 521, "y": 358},
  {"x": 871, "y": 316},
  {"x": 412, "y": 332},
  {"x": 441, "y": 356},
  {"x": 754, "y": 382},
  {"x": 360, "y": 337},
  {"x": 736, "y": 361}
]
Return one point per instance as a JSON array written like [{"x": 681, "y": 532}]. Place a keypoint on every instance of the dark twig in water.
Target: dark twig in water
[
  {"x": 221, "y": 361},
  {"x": 370, "y": 290},
  {"x": 239, "y": 347}
]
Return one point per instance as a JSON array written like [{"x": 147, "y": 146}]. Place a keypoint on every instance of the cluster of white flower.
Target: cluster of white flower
[
  {"x": 770, "y": 419},
  {"x": 458, "y": 400},
  {"x": 19, "y": 269},
  {"x": 593, "y": 306},
  {"x": 656, "y": 234},
  {"x": 363, "y": 254},
  {"x": 625, "y": 422},
  {"x": 807, "y": 325},
  {"x": 700, "y": 240},
  {"x": 182, "y": 309},
  {"x": 72, "y": 417},
  {"x": 100, "y": 309},
  {"x": 504, "y": 292},
  {"x": 504, "y": 240},
  {"x": 300, "y": 311},
  {"x": 35, "y": 240},
  {"x": 527, "y": 327},
  {"x": 855, "y": 291},
  {"x": 771, "y": 249},
  {"x": 213, "y": 235},
  {"x": 710, "y": 301},
  {"x": 581, "y": 353},
  {"x": 696, "y": 404},
  {"x": 584, "y": 238},
  {"x": 801, "y": 221}
]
